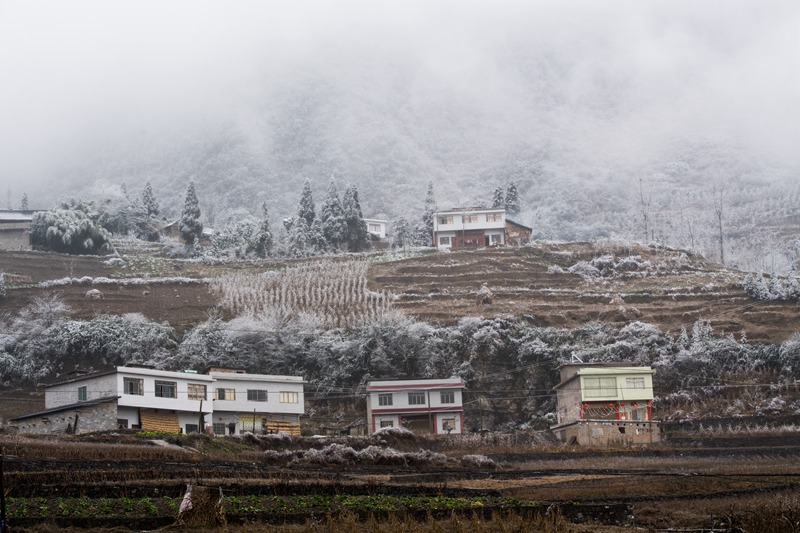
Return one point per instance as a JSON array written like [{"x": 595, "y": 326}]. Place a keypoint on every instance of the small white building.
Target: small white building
[
  {"x": 144, "y": 398},
  {"x": 469, "y": 227},
  {"x": 376, "y": 227},
  {"x": 421, "y": 405},
  {"x": 14, "y": 229}
]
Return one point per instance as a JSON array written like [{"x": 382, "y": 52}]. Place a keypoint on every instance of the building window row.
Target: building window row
[
  {"x": 470, "y": 219},
  {"x": 169, "y": 389},
  {"x": 386, "y": 399}
]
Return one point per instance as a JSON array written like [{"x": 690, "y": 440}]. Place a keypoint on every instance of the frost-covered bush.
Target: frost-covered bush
[
  {"x": 763, "y": 287},
  {"x": 68, "y": 231},
  {"x": 2, "y": 285},
  {"x": 477, "y": 461},
  {"x": 609, "y": 266}
]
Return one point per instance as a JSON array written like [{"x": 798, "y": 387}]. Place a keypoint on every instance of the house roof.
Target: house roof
[
  {"x": 15, "y": 216},
  {"x": 471, "y": 210},
  {"x": 237, "y": 376},
  {"x": 416, "y": 384},
  {"x": 66, "y": 407},
  {"x": 509, "y": 221}
]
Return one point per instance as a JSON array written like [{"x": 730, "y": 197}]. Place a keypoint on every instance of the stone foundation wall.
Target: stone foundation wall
[
  {"x": 604, "y": 433},
  {"x": 99, "y": 417}
]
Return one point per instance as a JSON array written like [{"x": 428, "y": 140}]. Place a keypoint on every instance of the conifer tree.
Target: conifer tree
[
  {"x": 23, "y": 205},
  {"x": 190, "y": 225},
  {"x": 425, "y": 236},
  {"x": 512, "y": 200},
  {"x": 316, "y": 238},
  {"x": 263, "y": 238},
  {"x": 149, "y": 200},
  {"x": 334, "y": 226},
  {"x": 306, "y": 207},
  {"x": 401, "y": 233},
  {"x": 498, "y": 200},
  {"x": 298, "y": 245},
  {"x": 356, "y": 227}
]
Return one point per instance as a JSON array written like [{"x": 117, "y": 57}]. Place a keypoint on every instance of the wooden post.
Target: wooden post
[{"x": 200, "y": 428}]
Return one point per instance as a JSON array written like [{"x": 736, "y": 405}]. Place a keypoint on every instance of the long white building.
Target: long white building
[{"x": 138, "y": 397}]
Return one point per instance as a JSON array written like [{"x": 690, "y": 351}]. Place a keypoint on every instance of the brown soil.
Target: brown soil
[{"x": 442, "y": 288}]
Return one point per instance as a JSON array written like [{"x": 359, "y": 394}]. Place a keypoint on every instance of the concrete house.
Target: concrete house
[
  {"x": 15, "y": 226},
  {"x": 469, "y": 227},
  {"x": 605, "y": 403},
  {"x": 424, "y": 406},
  {"x": 376, "y": 227},
  {"x": 144, "y": 398}
]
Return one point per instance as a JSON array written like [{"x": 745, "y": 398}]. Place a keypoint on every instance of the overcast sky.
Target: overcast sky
[{"x": 81, "y": 73}]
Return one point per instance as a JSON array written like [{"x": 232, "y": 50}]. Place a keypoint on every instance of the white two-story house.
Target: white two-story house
[
  {"x": 469, "y": 228},
  {"x": 421, "y": 405},
  {"x": 159, "y": 400}
]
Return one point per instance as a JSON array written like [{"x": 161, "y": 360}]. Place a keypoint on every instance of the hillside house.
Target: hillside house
[
  {"x": 516, "y": 233},
  {"x": 424, "y": 406},
  {"x": 376, "y": 227},
  {"x": 605, "y": 403},
  {"x": 15, "y": 228},
  {"x": 140, "y": 397},
  {"x": 469, "y": 227}
]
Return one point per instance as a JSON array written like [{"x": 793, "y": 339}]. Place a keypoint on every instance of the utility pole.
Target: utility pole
[{"x": 3, "y": 525}]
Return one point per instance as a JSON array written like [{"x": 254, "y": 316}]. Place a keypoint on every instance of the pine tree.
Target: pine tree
[
  {"x": 23, "y": 205},
  {"x": 334, "y": 225},
  {"x": 190, "y": 225},
  {"x": 306, "y": 208},
  {"x": 263, "y": 238},
  {"x": 316, "y": 238},
  {"x": 498, "y": 200},
  {"x": 298, "y": 245},
  {"x": 426, "y": 235},
  {"x": 149, "y": 200},
  {"x": 354, "y": 218},
  {"x": 512, "y": 200},
  {"x": 401, "y": 233}
]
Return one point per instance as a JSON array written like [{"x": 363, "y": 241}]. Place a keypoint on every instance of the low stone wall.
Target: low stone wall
[{"x": 609, "y": 432}]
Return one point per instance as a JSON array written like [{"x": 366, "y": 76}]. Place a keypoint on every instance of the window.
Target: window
[
  {"x": 166, "y": 389},
  {"x": 496, "y": 217},
  {"x": 122, "y": 423},
  {"x": 495, "y": 239},
  {"x": 197, "y": 392},
  {"x": 219, "y": 428},
  {"x": 81, "y": 394},
  {"x": 289, "y": 397},
  {"x": 387, "y": 424},
  {"x": 444, "y": 241},
  {"x": 226, "y": 394},
  {"x": 600, "y": 387},
  {"x": 470, "y": 219},
  {"x": 374, "y": 228},
  {"x": 133, "y": 386},
  {"x": 448, "y": 424},
  {"x": 385, "y": 398},
  {"x": 634, "y": 383},
  {"x": 416, "y": 398},
  {"x": 446, "y": 220},
  {"x": 256, "y": 395},
  {"x": 192, "y": 428},
  {"x": 448, "y": 396}
]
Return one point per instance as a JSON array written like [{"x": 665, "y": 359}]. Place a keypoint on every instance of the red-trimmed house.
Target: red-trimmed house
[
  {"x": 424, "y": 406},
  {"x": 605, "y": 403}
]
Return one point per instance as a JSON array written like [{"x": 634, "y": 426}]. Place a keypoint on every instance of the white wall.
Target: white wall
[
  {"x": 67, "y": 393},
  {"x": 242, "y": 382}
]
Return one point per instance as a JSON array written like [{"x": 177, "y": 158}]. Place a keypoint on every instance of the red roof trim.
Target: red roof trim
[
  {"x": 460, "y": 385},
  {"x": 402, "y": 410}
]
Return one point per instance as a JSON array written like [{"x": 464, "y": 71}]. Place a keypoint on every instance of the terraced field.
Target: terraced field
[{"x": 533, "y": 282}]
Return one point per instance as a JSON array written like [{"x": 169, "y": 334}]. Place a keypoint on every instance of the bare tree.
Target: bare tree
[
  {"x": 718, "y": 198},
  {"x": 645, "y": 201}
]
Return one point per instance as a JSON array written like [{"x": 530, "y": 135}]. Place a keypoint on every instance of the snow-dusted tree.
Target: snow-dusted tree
[
  {"x": 262, "y": 241},
  {"x": 512, "y": 199},
  {"x": 498, "y": 199},
  {"x": 401, "y": 233},
  {"x": 356, "y": 227},
  {"x": 317, "y": 243},
  {"x": 299, "y": 237},
  {"x": 68, "y": 231},
  {"x": 306, "y": 208},
  {"x": 23, "y": 205},
  {"x": 334, "y": 225},
  {"x": 2, "y": 285},
  {"x": 149, "y": 200},
  {"x": 425, "y": 232},
  {"x": 190, "y": 225}
]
